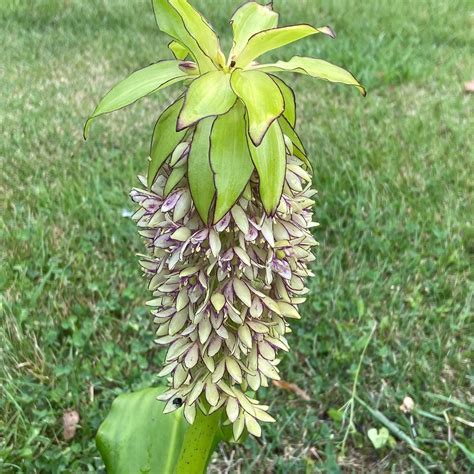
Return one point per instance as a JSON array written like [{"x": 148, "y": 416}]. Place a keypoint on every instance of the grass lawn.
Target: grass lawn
[{"x": 397, "y": 236}]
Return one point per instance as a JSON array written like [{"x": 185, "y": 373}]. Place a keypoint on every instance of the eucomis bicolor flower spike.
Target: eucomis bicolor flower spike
[{"x": 225, "y": 209}]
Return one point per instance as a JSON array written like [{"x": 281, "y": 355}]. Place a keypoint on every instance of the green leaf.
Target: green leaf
[
  {"x": 174, "y": 178},
  {"x": 270, "y": 161},
  {"x": 298, "y": 150},
  {"x": 210, "y": 94},
  {"x": 200, "y": 176},
  {"x": 200, "y": 30},
  {"x": 170, "y": 22},
  {"x": 139, "y": 84},
  {"x": 179, "y": 51},
  {"x": 315, "y": 68},
  {"x": 265, "y": 41},
  {"x": 378, "y": 438},
  {"x": 291, "y": 134},
  {"x": 165, "y": 139},
  {"x": 230, "y": 158},
  {"x": 262, "y": 98},
  {"x": 290, "y": 101},
  {"x": 137, "y": 437},
  {"x": 249, "y": 19}
]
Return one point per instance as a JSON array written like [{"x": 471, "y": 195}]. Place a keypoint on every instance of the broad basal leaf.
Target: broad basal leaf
[
  {"x": 262, "y": 98},
  {"x": 200, "y": 176},
  {"x": 179, "y": 51},
  {"x": 210, "y": 94},
  {"x": 230, "y": 158},
  {"x": 165, "y": 139},
  {"x": 315, "y": 68},
  {"x": 249, "y": 19},
  {"x": 265, "y": 41},
  {"x": 270, "y": 161},
  {"x": 170, "y": 22},
  {"x": 290, "y": 101},
  {"x": 138, "y": 85},
  {"x": 137, "y": 437},
  {"x": 200, "y": 30}
]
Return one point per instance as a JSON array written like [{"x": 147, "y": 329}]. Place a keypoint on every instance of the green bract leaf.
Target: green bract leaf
[
  {"x": 265, "y": 41},
  {"x": 290, "y": 132},
  {"x": 179, "y": 51},
  {"x": 200, "y": 176},
  {"x": 137, "y": 437},
  {"x": 139, "y": 84},
  {"x": 165, "y": 139},
  {"x": 174, "y": 178},
  {"x": 298, "y": 147},
  {"x": 315, "y": 68},
  {"x": 249, "y": 19},
  {"x": 210, "y": 94},
  {"x": 290, "y": 101},
  {"x": 262, "y": 98},
  {"x": 170, "y": 22},
  {"x": 230, "y": 158},
  {"x": 200, "y": 30},
  {"x": 270, "y": 161}
]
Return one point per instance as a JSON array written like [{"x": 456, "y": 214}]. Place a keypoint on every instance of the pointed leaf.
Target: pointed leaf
[
  {"x": 174, "y": 178},
  {"x": 200, "y": 176},
  {"x": 270, "y": 161},
  {"x": 262, "y": 98},
  {"x": 179, "y": 51},
  {"x": 289, "y": 131},
  {"x": 266, "y": 41},
  {"x": 230, "y": 159},
  {"x": 210, "y": 94},
  {"x": 249, "y": 19},
  {"x": 314, "y": 68},
  {"x": 199, "y": 29},
  {"x": 139, "y": 84},
  {"x": 290, "y": 101},
  {"x": 170, "y": 22},
  {"x": 165, "y": 139},
  {"x": 298, "y": 150}
]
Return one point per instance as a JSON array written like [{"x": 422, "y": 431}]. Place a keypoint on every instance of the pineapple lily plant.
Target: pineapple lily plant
[{"x": 225, "y": 208}]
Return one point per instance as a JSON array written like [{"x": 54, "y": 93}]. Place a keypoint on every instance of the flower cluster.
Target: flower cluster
[{"x": 223, "y": 294}]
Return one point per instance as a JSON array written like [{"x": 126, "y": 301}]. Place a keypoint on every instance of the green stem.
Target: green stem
[{"x": 200, "y": 441}]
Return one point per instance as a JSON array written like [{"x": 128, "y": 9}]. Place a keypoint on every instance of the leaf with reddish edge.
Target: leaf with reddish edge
[
  {"x": 200, "y": 176},
  {"x": 270, "y": 161},
  {"x": 165, "y": 139},
  {"x": 210, "y": 94},
  {"x": 290, "y": 100},
  {"x": 138, "y": 85},
  {"x": 230, "y": 159},
  {"x": 262, "y": 98},
  {"x": 268, "y": 40}
]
